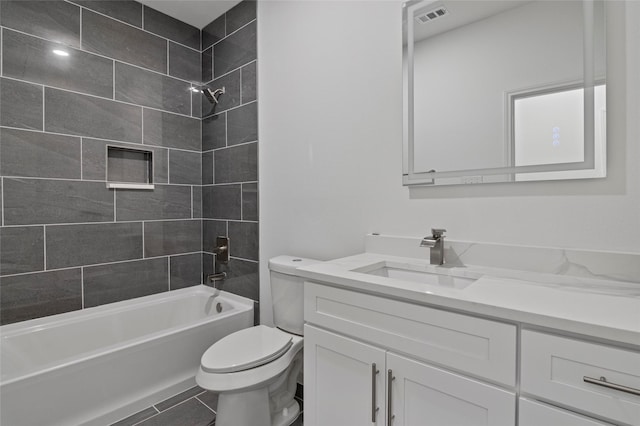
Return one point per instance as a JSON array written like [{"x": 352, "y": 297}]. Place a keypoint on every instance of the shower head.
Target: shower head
[{"x": 212, "y": 95}]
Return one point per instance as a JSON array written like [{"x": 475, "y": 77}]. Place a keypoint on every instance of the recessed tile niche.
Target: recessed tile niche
[{"x": 129, "y": 168}]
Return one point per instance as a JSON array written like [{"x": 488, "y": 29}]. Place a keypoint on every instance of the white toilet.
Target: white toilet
[{"x": 255, "y": 370}]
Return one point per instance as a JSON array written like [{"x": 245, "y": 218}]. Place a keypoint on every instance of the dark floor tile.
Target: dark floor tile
[
  {"x": 189, "y": 413},
  {"x": 177, "y": 399},
  {"x": 33, "y": 59},
  {"x": 123, "y": 281},
  {"x": 235, "y": 50},
  {"x": 171, "y": 28},
  {"x": 210, "y": 399},
  {"x": 21, "y": 249},
  {"x": 36, "y": 154},
  {"x": 128, "y": 11},
  {"x": 24, "y": 297},
  {"x": 54, "y": 20},
  {"x": 21, "y": 104},
  {"x": 137, "y": 417},
  {"x": 123, "y": 42}
]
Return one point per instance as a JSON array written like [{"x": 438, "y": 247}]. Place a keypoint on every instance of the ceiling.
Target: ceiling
[{"x": 195, "y": 12}]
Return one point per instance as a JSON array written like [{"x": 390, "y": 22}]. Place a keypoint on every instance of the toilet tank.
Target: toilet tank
[{"x": 287, "y": 292}]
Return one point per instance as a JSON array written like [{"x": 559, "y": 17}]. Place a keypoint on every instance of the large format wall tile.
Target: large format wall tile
[
  {"x": 163, "y": 202},
  {"x": 36, "y": 154},
  {"x": 206, "y": 60},
  {"x": 39, "y": 201},
  {"x": 185, "y": 270},
  {"x": 236, "y": 164},
  {"x": 33, "y": 59},
  {"x": 171, "y": 28},
  {"x": 250, "y": 201},
  {"x": 75, "y": 245},
  {"x": 94, "y": 159},
  {"x": 21, "y": 104},
  {"x": 153, "y": 90},
  {"x": 235, "y": 50},
  {"x": 83, "y": 115},
  {"x": 213, "y": 32},
  {"x": 242, "y": 278},
  {"x": 242, "y": 124},
  {"x": 21, "y": 249},
  {"x": 171, "y": 130},
  {"x": 23, "y": 297},
  {"x": 184, "y": 167},
  {"x": 222, "y": 202},
  {"x": 210, "y": 230},
  {"x": 124, "y": 10},
  {"x": 196, "y": 201},
  {"x": 240, "y": 15},
  {"x": 245, "y": 239},
  {"x": 122, "y": 281},
  {"x": 207, "y": 168},
  {"x": 53, "y": 20},
  {"x": 214, "y": 132},
  {"x": 184, "y": 63},
  {"x": 249, "y": 83},
  {"x": 172, "y": 237},
  {"x": 123, "y": 42}
]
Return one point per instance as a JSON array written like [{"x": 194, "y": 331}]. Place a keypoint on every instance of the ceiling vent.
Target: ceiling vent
[{"x": 425, "y": 17}]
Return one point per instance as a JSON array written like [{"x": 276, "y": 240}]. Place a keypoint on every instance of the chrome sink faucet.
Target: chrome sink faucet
[{"x": 435, "y": 242}]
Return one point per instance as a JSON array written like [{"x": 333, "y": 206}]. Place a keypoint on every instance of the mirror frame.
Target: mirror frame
[{"x": 410, "y": 177}]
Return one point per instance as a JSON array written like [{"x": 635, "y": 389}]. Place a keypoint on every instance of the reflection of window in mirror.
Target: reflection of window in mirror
[{"x": 548, "y": 128}]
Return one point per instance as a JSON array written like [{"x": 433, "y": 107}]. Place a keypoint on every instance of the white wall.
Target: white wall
[{"x": 330, "y": 126}]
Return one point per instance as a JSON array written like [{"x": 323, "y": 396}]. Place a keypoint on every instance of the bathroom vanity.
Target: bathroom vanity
[{"x": 393, "y": 340}]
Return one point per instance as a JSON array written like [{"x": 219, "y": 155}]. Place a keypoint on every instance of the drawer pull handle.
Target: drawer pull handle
[
  {"x": 390, "y": 379},
  {"x": 602, "y": 381},
  {"x": 374, "y": 409}
]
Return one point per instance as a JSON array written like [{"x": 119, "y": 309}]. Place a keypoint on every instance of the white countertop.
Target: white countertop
[{"x": 604, "y": 309}]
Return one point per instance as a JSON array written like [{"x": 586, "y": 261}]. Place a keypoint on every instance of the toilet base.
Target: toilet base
[{"x": 287, "y": 415}]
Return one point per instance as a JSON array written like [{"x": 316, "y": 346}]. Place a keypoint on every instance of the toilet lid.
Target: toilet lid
[{"x": 246, "y": 349}]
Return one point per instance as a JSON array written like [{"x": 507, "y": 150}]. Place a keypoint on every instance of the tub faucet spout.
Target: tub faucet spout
[
  {"x": 435, "y": 242},
  {"x": 217, "y": 279}
]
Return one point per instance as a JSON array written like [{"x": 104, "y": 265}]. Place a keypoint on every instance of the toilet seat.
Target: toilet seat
[{"x": 246, "y": 349}]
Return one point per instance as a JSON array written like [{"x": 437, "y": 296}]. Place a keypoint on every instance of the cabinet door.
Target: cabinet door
[
  {"x": 339, "y": 381},
  {"x": 536, "y": 414},
  {"x": 422, "y": 395}
]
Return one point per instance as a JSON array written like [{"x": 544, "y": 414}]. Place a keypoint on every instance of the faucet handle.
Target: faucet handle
[{"x": 438, "y": 232}]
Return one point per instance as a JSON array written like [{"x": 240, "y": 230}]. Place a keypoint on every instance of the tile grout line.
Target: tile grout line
[
  {"x": 110, "y": 222},
  {"x": 44, "y": 246},
  {"x": 228, "y": 72},
  {"x": 82, "y": 286}
]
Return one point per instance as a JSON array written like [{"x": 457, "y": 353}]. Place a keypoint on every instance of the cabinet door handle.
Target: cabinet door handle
[
  {"x": 374, "y": 399},
  {"x": 602, "y": 381},
  {"x": 390, "y": 380}
]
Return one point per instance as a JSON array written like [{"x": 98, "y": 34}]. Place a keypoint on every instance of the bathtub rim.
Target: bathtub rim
[{"x": 240, "y": 303}]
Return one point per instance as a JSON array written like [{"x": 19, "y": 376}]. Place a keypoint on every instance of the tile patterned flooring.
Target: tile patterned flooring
[{"x": 193, "y": 407}]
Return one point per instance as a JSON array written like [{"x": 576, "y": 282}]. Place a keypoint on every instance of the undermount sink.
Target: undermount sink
[{"x": 417, "y": 274}]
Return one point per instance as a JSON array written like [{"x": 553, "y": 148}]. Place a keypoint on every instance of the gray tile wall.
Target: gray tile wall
[
  {"x": 66, "y": 241},
  {"x": 230, "y": 147}
]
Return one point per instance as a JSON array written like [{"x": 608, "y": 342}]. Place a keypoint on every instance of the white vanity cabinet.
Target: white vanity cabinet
[{"x": 390, "y": 380}]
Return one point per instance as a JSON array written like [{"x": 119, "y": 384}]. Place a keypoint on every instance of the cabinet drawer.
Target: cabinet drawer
[
  {"x": 536, "y": 414},
  {"x": 555, "y": 368},
  {"x": 477, "y": 346}
]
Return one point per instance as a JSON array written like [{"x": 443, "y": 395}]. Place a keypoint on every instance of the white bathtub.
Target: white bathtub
[{"x": 99, "y": 365}]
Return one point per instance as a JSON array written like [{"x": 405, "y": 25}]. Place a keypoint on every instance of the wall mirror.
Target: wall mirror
[{"x": 503, "y": 91}]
